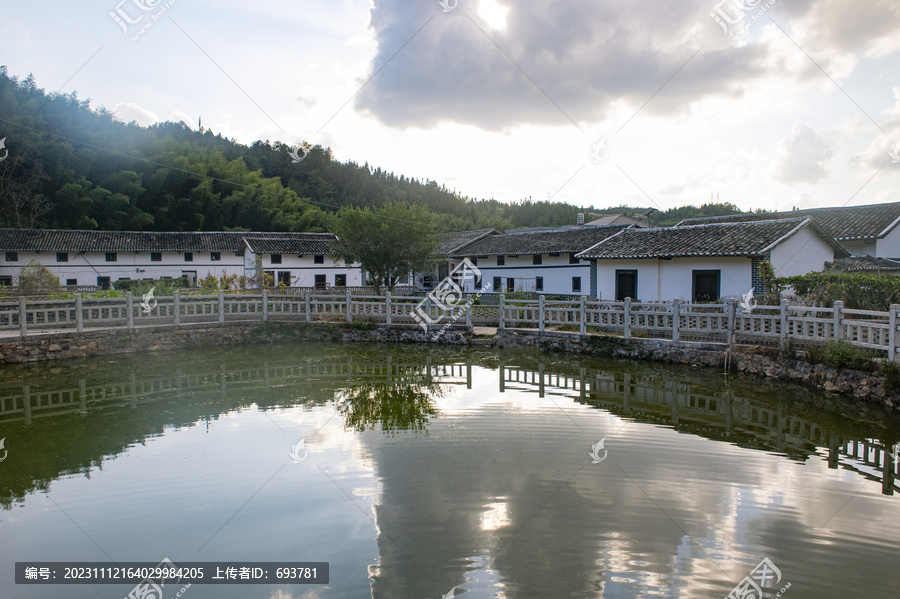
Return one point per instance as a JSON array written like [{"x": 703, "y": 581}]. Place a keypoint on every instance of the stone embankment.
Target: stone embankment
[{"x": 748, "y": 359}]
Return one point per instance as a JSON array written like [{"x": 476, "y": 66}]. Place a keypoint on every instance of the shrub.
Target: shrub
[
  {"x": 840, "y": 354},
  {"x": 858, "y": 291},
  {"x": 36, "y": 278},
  {"x": 890, "y": 374}
]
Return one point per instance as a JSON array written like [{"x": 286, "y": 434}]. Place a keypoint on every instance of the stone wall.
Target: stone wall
[{"x": 748, "y": 359}]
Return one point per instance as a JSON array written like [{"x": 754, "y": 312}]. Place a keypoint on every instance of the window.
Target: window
[
  {"x": 576, "y": 284},
  {"x": 155, "y": 256},
  {"x": 537, "y": 259},
  {"x": 71, "y": 282},
  {"x": 478, "y": 282},
  {"x": 340, "y": 280},
  {"x": 189, "y": 256},
  {"x": 706, "y": 285},
  {"x": 103, "y": 283},
  {"x": 474, "y": 260},
  {"x": 554, "y": 254},
  {"x": 498, "y": 284},
  {"x": 276, "y": 258},
  {"x": 501, "y": 260},
  {"x": 539, "y": 284},
  {"x": 626, "y": 284},
  {"x": 6, "y": 280},
  {"x": 284, "y": 278},
  {"x": 215, "y": 256},
  {"x": 318, "y": 259},
  {"x": 573, "y": 259},
  {"x": 62, "y": 256},
  {"x": 111, "y": 257},
  {"x": 510, "y": 285},
  {"x": 320, "y": 281},
  {"x": 12, "y": 256}
]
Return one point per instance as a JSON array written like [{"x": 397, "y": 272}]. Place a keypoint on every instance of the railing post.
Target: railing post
[
  {"x": 838, "y": 327},
  {"x": 583, "y": 315},
  {"x": 541, "y": 313},
  {"x": 676, "y": 318},
  {"x": 387, "y": 308},
  {"x": 784, "y": 321},
  {"x": 23, "y": 317},
  {"x": 221, "y": 306},
  {"x": 129, "y": 307},
  {"x": 265, "y": 305},
  {"x": 176, "y": 306},
  {"x": 729, "y": 311},
  {"x": 627, "y": 333},
  {"x": 306, "y": 300},
  {"x": 500, "y": 311},
  {"x": 349, "y": 308},
  {"x": 892, "y": 332},
  {"x": 469, "y": 312},
  {"x": 79, "y": 313}
]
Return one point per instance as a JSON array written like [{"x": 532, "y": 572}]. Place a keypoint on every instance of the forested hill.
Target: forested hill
[{"x": 73, "y": 166}]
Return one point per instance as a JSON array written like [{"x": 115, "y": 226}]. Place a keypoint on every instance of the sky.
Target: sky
[{"x": 767, "y": 104}]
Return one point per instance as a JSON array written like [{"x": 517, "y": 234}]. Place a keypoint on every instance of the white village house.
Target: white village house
[
  {"x": 702, "y": 263},
  {"x": 538, "y": 261},
  {"x": 867, "y": 232},
  {"x": 102, "y": 257}
]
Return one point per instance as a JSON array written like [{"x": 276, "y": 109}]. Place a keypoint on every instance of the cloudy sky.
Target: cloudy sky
[{"x": 763, "y": 103}]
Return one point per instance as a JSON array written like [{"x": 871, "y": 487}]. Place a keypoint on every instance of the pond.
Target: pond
[{"x": 425, "y": 471}]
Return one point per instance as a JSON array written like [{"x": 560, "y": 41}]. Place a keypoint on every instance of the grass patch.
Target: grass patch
[{"x": 840, "y": 354}]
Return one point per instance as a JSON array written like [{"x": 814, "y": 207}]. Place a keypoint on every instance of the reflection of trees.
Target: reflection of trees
[{"x": 397, "y": 406}]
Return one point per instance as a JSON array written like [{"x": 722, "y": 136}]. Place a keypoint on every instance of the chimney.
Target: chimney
[{"x": 580, "y": 218}]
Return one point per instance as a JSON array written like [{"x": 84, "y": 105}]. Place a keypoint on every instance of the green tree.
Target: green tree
[
  {"x": 389, "y": 241},
  {"x": 36, "y": 278}
]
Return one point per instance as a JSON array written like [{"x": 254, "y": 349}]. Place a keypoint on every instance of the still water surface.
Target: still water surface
[{"x": 423, "y": 469}]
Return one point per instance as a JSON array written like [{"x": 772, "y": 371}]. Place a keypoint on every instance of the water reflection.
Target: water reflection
[{"x": 505, "y": 503}]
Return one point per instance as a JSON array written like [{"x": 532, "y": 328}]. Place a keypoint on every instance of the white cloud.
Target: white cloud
[
  {"x": 804, "y": 156},
  {"x": 130, "y": 111}
]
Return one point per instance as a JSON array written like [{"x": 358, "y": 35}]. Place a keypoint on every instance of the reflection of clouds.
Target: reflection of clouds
[
  {"x": 282, "y": 594},
  {"x": 495, "y": 515}
]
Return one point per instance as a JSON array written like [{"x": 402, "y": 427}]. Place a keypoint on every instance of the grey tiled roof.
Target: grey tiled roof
[
  {"x": 851, "y": 222},
  {"x": 718, "y": 239},
  {"x": 297, "y": 243},
  {"x": 451, "y": 242},
  {"x": 20, "y": 240},
  {"x": 864, "y": 264},
  {"x": 539, "y": 242}
]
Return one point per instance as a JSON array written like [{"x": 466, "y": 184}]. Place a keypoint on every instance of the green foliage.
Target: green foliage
[
  {"x": 209, "y": 284},
  {"x": 165, "y": 286},
  {"x": 840, "y": 354},
  {"x": 673, "y": 216},
  {"x": 362, "y": 325},
  {"x": 890, "y": 374},
  {"x": 858, "y": 291},
  {"x": 389, "y": 242},
  {"x": 111, "y": 293},
  {"x": 35, "y": 278}
]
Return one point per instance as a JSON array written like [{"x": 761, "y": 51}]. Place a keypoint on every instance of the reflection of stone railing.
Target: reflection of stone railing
[
  {"x": 720, "y": 323},
  {"x": 617, "y": 391},
  {"x": 681, "y": 403},
  {"x": 29, "y": 403}
]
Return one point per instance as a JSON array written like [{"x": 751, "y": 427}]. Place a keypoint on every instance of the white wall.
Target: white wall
[
  {"x": 555, "y": 270},
  {"x": 85, "y": 267},
  {"x": 303, "y": 270},
  {"x": 802, "y": 253},
  {"x": 665, "y": 280},
  {"x": 889, "y": 246}
]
